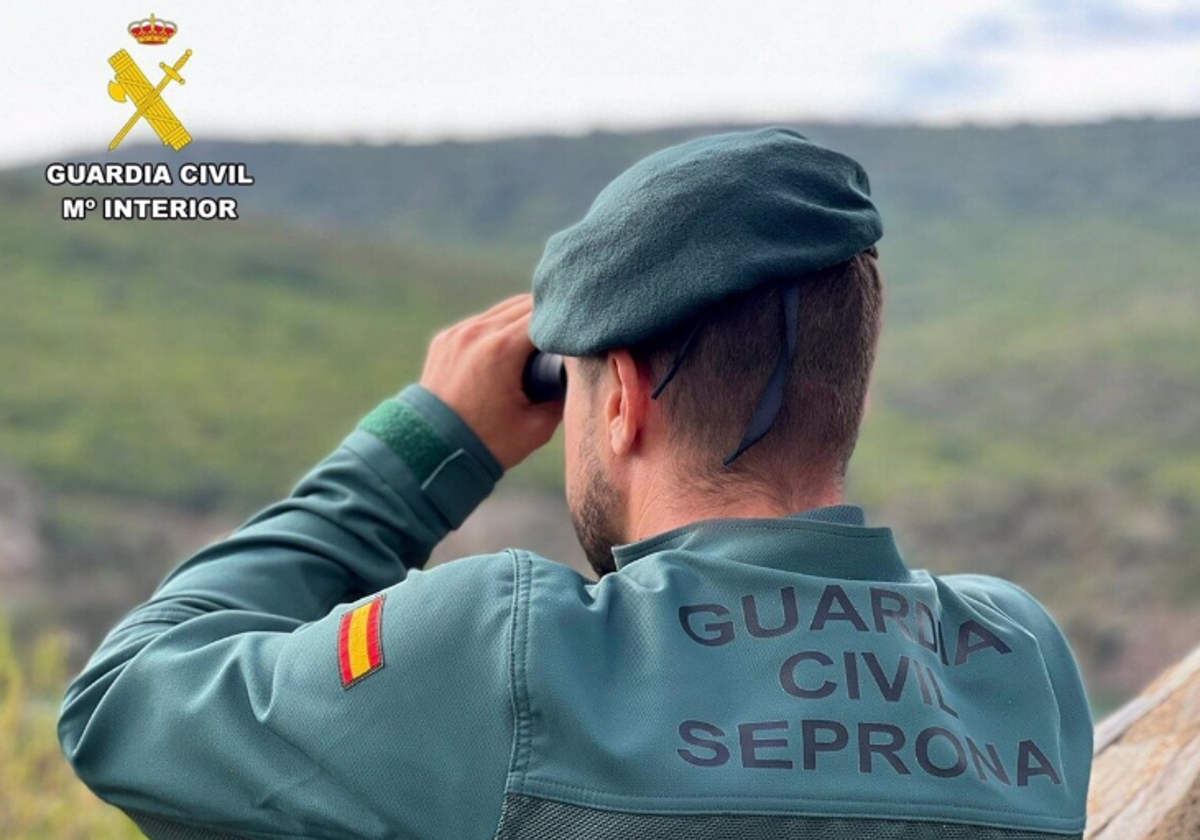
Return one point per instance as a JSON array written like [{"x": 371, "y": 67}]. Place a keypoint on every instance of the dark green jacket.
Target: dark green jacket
[{"x": 735, "y": 678}]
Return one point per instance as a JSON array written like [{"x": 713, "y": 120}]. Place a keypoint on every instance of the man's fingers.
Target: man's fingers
[
  {"x": 517, "y": 330},
  {"x": 499, "y": 316},
  {"x": 492, "y": 320},
  {"x": 513, "y": 337},
  {"x": 506, "y": 309},
  {"x": 521, "y": 318}
]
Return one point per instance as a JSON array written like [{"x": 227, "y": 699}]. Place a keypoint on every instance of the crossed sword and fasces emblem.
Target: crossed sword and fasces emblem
[{"x": 133, "y": 85}]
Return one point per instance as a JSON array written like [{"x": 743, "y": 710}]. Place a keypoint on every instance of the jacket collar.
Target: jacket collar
[{"x": 832, "y": 541}]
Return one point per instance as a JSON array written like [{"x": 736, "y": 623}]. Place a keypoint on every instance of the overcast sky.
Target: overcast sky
[{"x": 426, "y": 70}]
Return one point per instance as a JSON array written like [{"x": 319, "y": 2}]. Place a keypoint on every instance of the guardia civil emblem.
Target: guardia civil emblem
[{"x": 131, "y": 85}]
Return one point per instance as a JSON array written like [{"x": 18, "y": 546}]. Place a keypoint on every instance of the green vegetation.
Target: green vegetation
[
  {"x": 1062, "y": 353},
  {"x": 206, "y": 365},
  {"x": 40, "y": 797}
]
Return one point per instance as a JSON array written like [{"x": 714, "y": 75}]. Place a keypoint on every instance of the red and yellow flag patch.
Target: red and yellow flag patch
[{"x": 360, "y": 652}]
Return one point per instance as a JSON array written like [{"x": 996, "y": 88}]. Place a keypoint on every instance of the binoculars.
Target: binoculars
[{"x": 545, "y": 377}]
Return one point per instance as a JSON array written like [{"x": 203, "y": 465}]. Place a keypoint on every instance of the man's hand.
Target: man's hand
[{"x": 475, "y": 367}]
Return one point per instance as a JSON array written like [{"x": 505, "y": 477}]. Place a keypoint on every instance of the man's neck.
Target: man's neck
[{"x": 659, "y": 512}]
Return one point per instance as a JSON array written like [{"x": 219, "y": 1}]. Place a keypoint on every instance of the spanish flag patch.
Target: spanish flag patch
[{"x": 360, "y": 652}]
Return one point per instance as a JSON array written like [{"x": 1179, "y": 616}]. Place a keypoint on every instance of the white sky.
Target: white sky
[{"x": 425, "y": 70}]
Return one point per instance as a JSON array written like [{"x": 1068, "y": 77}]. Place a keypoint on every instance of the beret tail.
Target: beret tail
[{"x": 772, "y": 399}]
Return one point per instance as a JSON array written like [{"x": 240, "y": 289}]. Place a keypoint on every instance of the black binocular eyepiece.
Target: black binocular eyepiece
[{"x": 545, "y": 377}]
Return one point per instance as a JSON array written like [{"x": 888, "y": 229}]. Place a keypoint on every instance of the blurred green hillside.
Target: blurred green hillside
[
  {"x": 518, "y": 190},
  {"x": 205, "y": 365},
  {"x": 1037, "y": 403}
]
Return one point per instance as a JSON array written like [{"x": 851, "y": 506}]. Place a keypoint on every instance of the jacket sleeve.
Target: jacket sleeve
[{"x": 220, "y": 707}]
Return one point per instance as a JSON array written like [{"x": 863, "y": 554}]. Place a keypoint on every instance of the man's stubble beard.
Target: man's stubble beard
[{"x": 596, "y": 519}]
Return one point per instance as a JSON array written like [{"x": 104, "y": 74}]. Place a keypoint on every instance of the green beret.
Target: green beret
[{"x": 686, "y": 226}]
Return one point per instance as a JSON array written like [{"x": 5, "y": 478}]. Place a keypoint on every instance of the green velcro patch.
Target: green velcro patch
[{"x": 409, "y": 435}]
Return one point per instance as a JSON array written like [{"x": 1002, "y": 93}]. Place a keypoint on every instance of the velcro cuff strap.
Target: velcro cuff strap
[{"x": 409, "y": 435}]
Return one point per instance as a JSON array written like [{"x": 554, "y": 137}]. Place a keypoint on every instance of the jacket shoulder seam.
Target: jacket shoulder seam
[{"x": 518, "y": 668}]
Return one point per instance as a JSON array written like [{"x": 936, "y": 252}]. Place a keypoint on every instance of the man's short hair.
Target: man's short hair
[{"x": 709, "y": 402}]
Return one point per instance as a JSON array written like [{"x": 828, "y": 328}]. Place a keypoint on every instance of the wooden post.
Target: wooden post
[{"x": 1146, "y": 773}]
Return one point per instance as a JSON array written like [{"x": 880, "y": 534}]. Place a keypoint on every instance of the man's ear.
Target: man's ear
[{"x": 626, "y": 402}]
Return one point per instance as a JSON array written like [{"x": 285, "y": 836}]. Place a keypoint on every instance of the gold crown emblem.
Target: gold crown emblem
[{"x": 152, "y": 31}]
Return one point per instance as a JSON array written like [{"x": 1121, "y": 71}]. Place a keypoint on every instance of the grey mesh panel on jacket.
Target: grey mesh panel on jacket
[{"x": 534, "y": 818}]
